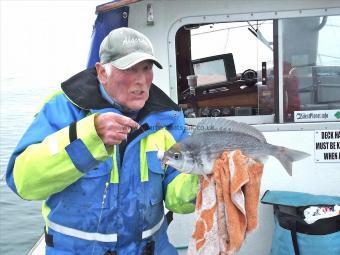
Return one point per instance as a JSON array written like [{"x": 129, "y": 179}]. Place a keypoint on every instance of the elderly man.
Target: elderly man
[{"x": 91, "y": 155}]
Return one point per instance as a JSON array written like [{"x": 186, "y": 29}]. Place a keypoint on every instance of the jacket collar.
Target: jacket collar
[{"x": 83, "y": 90}]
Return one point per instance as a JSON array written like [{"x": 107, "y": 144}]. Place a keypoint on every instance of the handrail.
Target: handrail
[{"x": 114, "y": 5}]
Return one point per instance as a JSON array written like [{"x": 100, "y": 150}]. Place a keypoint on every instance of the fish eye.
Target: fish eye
[{"x": 177, "y": 155}]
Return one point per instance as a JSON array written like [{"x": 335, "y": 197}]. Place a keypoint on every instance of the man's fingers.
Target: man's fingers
[
  {"x": 113, "y": 128},
  {"x": 126, "y": 121},
  {"x": 119, "y": 136},
  {"x": 126, "y": 129},
  {"x": 121, "y": 120},
  {"x": 115, "y": 138}
]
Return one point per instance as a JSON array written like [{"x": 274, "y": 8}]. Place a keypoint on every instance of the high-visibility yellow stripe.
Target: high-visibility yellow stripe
[
  {"x": 144, "y": 173},
  {"x": 181, "y": 192},
  {"x": 114, "y": 178},
  {"x": 160, "y": 140},
  {"x": 34, "y": 182},
  {"x": 45, "y": 211}
]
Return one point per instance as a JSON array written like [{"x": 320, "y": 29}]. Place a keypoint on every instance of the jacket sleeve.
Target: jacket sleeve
[
  {"x": 45, "y": 162},
  {"x": 180, "y": 188}
]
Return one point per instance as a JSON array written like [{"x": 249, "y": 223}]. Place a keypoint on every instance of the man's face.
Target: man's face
[{"x": 130, "y": 87}]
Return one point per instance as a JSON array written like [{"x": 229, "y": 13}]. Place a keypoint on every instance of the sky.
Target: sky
[{"x": 45, "y": 41}]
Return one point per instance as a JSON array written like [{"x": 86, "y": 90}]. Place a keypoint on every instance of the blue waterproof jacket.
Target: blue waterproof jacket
[{"x": 99, "y": 200}]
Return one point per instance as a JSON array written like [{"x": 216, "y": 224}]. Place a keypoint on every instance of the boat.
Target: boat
[{"x": 272, "y": 64}]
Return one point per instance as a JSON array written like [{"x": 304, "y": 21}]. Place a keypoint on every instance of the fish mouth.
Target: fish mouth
[
  {"x": 164, "y": 162},
  {"x": 160, "y": 154}
]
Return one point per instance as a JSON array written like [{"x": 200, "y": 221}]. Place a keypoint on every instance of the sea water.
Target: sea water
[{"x": 21, "y": 222}]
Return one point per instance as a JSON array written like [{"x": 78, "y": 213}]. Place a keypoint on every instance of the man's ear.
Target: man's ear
[{"x": 102, "y": 76}]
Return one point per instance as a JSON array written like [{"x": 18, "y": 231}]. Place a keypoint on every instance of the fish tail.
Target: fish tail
[{"x": 288, "y": 156}]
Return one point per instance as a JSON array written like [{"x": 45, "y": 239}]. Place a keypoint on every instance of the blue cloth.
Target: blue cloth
[
  {"x": 105, "y": 23},
  {"x": 81, "y": 156},
  {"x": 288, "y": 207},
  {"x": 308, "y": 244}
]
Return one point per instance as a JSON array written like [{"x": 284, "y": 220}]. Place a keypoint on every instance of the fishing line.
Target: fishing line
[
  {"x": 101, "y": 213},
  {"x": 105, "y": 195},
  {"x": 104, "y": 198}
]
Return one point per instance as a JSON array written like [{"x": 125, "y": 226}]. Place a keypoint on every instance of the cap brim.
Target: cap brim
[{"x": 133, "y": 59}]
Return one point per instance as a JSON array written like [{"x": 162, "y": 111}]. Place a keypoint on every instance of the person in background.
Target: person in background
[{"x": 91, "y": 156}]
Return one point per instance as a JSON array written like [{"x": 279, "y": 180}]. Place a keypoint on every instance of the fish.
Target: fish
[{"x": 197, "y": 153}]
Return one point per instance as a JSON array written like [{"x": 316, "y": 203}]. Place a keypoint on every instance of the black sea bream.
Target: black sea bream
[{"x": 196, "y": 154}]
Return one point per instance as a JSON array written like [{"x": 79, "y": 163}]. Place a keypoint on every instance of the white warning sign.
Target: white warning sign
[{"x": 327, "y": 145}]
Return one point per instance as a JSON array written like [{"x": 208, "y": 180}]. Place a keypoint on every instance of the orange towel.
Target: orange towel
[{"x": 226, "y": 205}]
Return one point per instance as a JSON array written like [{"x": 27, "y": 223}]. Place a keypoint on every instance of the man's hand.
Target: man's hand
[{"x": 113, "y": 128}]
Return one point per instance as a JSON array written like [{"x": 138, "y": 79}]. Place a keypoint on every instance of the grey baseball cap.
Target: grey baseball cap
[{"x": 125, "y": 47}]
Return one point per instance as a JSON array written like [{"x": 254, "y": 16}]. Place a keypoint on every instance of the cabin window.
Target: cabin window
[
  {"x": 262, "y": 71},
  {"x": 226, "y": 62},
  {"x": 311, "y": 68}
]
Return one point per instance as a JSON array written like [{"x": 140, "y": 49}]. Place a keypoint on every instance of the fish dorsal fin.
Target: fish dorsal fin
[{"x": 221, "y": 124}]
